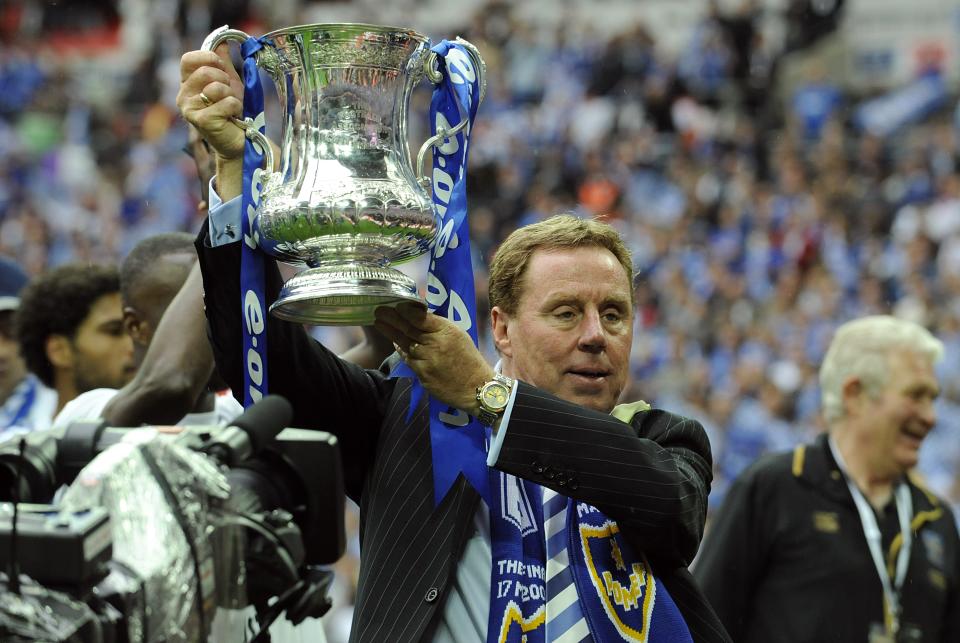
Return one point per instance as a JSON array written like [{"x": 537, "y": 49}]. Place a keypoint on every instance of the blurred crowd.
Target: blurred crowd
[{"x": 760, "y": 219}]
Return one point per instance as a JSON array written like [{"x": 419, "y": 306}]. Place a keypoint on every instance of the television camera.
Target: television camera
[{"x": 168, "y": 533}]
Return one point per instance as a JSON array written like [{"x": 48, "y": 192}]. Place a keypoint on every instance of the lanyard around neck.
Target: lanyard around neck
[{"x": 891, "y": 589}]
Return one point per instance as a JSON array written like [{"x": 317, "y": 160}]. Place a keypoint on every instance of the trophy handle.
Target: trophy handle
[
  {"x": 220, "y": 35},
  {"x": 213, "y": 40},
  {"x": 434, "y": 75}
]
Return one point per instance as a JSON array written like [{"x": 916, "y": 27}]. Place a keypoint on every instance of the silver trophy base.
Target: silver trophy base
[{"x": 343, "y": 295}]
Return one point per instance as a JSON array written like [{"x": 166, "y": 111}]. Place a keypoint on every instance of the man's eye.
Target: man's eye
[
  {"x": 565, "y": 314},
  {"x": 613, "y": 317}
]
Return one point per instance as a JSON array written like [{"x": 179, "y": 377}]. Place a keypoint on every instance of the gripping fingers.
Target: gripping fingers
[
  {"x": 214, "y": 93},
  {"x": 212, "y": 84},
  {"x": 391, "y": 333},
  {"x": 203, "y": 77},
  {"x": 194, "y": 60},
  {"x": 214, "y": 119}
]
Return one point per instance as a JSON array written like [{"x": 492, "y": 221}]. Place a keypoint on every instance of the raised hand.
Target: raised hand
[
  {"x": 211, "y": 93},
  {"x": 444, "y": 358}
]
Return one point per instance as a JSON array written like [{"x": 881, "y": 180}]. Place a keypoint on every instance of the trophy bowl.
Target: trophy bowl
[{"x": 344, "y": 199}]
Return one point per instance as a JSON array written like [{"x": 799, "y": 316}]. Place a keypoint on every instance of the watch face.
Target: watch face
[{"x": 495, "y": 396}]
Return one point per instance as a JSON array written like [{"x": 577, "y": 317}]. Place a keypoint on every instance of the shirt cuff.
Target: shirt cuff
[
  {"x": 224, "y": 225},
  {"x": 494, "y": 453}
]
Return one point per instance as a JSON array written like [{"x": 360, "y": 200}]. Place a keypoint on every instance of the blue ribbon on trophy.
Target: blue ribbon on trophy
[
  {"x": 457, "y": 441},
  {"x": 252, "y": 281}
]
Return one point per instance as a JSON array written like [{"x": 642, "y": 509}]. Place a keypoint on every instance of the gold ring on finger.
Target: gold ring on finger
[{"x": 205, "y": 99}]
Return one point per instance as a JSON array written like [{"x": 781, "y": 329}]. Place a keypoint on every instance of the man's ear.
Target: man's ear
[
  {"x": 853, "y": 394},
  {"x": 500, "y": 323},
  {"x": 136, "y": 327},
  {"x": 59, "y": 351}
]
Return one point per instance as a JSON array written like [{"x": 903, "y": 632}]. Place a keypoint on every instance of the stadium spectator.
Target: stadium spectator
[
  {"x": 151, "y": 277},
  {"x": 836, "y": 541},
  {"x": 25, "y": 403},
  {"x": 70, "y": 329}
]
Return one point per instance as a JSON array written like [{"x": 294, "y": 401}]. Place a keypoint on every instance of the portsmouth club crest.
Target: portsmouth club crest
[{"x": 624, "y": 582}]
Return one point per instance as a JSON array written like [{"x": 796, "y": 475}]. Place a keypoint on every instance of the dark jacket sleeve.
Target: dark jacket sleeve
[
  {"x": 733, "y": 554},
  {"x": 652, "y": 477},
  {"x": 327, "y": 393},
  {"x": 951, "y": 628}
]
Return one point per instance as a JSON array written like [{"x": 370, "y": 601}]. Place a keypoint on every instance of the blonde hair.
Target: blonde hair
[
  {"x": 861, "y": 348},
  {"x": 562, "y": 231}
]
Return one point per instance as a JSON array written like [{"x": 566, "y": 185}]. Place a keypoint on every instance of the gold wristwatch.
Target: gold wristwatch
[{"x": 493, "y": 397}]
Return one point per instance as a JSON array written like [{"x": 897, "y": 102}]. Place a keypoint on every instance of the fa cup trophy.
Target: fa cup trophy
[{"x": 345, "y": 200}]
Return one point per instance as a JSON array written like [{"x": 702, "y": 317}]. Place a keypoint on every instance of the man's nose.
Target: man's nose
[
  {"x": 928, "y": 413},
  {"x": 593, "y": 337}
]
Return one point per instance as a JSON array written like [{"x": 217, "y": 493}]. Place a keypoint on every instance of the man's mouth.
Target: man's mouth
[
  {"x": 913, "y": 434},
  {"x": 590, "y": 374}
]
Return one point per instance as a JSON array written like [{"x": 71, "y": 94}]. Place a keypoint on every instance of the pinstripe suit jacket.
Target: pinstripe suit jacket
[{"x": 652, "y": 476}]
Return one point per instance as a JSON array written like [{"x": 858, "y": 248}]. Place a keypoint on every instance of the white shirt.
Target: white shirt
[{"x": 90, "y": 405}]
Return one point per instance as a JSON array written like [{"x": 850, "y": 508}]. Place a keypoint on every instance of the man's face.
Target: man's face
[
  {"x": 151, "y": 298},
  {"x": 573, "y": 328},
  {"x": 102, "y": 351},
  {"x": 898, "y": 419},
  {"x": 12, "y": 367}
]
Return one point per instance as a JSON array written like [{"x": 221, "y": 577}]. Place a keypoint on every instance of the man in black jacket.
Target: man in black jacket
[
  {"x": 836, "y": 541},
  {"x": 563, "y": 322}
]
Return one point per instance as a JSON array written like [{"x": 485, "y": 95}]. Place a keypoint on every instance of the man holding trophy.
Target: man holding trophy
[{"x": 507, "y": 504}]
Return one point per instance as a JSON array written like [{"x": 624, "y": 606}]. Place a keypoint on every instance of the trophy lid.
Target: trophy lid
[
  {"x": 340, "y": 45},
  {"x": 349, "y": 31}
]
